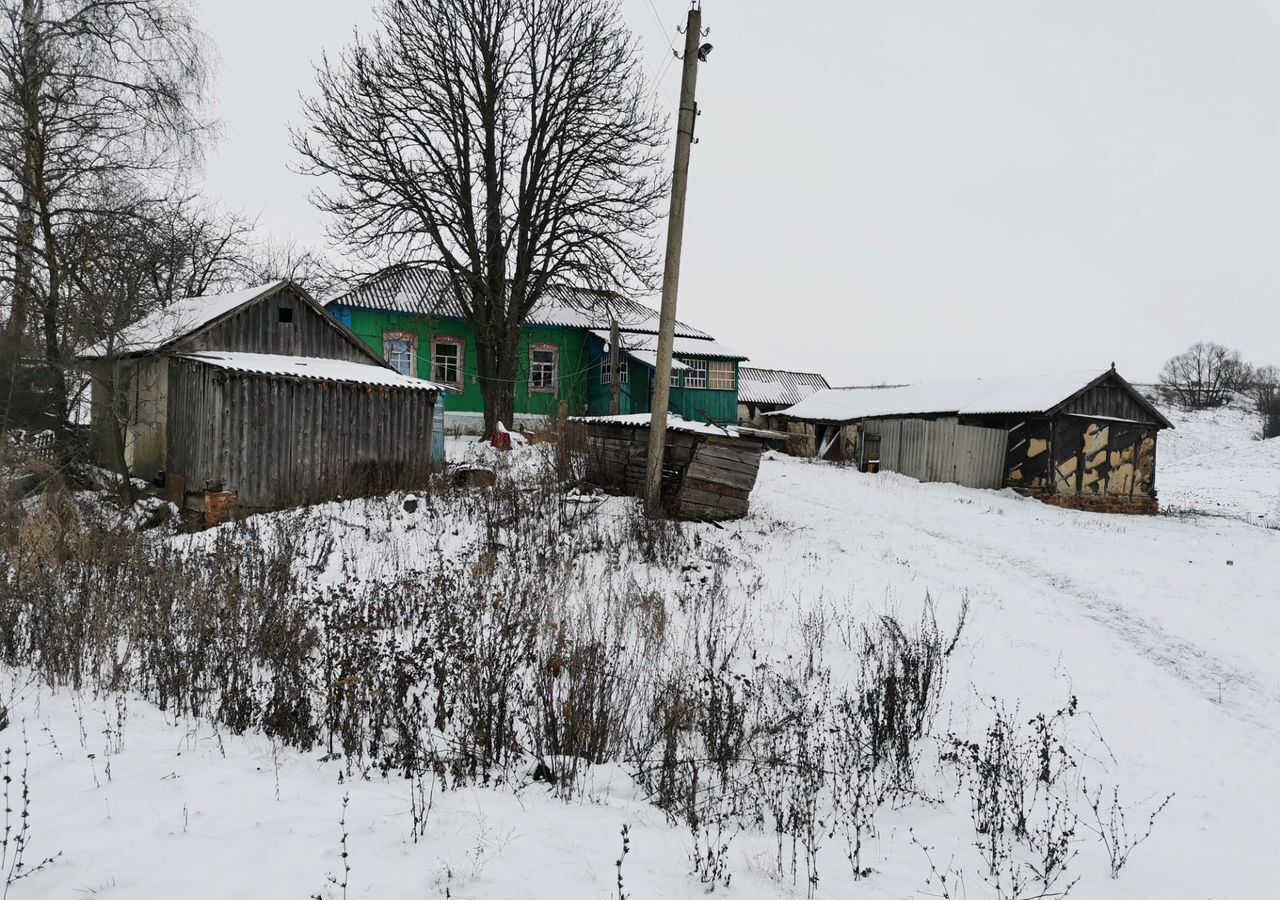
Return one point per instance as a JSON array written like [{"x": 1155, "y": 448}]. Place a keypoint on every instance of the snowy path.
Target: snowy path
[{"x": 1171, "y": 648}]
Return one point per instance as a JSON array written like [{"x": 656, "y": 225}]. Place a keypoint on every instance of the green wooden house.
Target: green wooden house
[{"x": 412, "y": 320}]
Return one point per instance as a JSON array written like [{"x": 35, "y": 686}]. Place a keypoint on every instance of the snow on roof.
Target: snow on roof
[
  {"x": 634, "y": 343},
  {"x": 978, "y": 397},
  {"x": 674, "y": 423},
  {"x": 311, "y": 367},
  {"x": 777, "y": 385},
  {"x": 165, "y": 325},
  {"x": 650, "y": 359},
  {"x": 428, "y": 293}
]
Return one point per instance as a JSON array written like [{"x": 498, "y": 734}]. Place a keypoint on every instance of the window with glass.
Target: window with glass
[
  {"x": 696, "y": 377},
  {"x": 400, "y": 350},
  {"x": 675, "y": 377},
  {"x": 721, "y": 375},
  {"x": 446, "y": 357},
  {"x": 542, "y": 368},
  {"x": 606, "y": 371}
]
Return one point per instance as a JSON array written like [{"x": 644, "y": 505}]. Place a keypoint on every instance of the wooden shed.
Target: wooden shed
[
  {"x": 1083, "y": 440},
  {"x": 708, "y": 470},
  {"x": 258, "y": 397}
]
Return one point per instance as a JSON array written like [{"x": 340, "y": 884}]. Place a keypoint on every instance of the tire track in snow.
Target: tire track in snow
[
  {"x": 1189, "y": 662},
  {"x": 1185, "y": 660}
]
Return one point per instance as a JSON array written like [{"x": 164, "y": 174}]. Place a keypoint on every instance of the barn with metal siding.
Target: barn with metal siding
[
  {"x": 263, "y": 397},
  {"x": 1081, "y": 440}
]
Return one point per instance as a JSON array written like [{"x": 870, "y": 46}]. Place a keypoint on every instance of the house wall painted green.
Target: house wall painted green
[{"x": 579, "y": 375}]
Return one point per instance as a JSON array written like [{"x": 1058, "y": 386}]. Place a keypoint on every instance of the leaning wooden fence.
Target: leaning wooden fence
[{"x": 706, "y": 475}]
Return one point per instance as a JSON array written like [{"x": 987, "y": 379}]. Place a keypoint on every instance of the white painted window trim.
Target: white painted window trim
[
  {"x": 604, "y": 370},
  {"x": 696, "y": 377},
  {"x": 555, "y": 368},
  {"x": 411, "y": 338},
  {"x": 458, "y": 342}
]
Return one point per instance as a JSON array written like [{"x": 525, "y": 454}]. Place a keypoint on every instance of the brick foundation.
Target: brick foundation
[
  {"x": 1136, "y": 505},
  {"x": 220, "y": 506}
]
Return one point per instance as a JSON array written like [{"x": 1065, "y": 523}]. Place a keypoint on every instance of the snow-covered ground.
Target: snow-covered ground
[
  {"x": 1164, "y": 628},
  {"x": 1212, "y": 461}
]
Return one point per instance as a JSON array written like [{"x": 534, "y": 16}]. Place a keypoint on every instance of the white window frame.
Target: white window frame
[
  {"x": 720, "y": 375},
  {"x": 535, "y": 366},
  {"x": 695, "y": 377},
  {"x": 460, "y": 346},
  {"x": 411, "y": 340},
  {"x": 606, "y": 364}
]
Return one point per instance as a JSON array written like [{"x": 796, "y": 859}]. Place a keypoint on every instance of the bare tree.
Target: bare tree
[
  {"x": 1266, "y": 394},
  {"x": 509, "y": 143},
  {"x": 267, "y": 260},
  {"x": 1204, "y": 376},
  {"x": 91, "y": 92}
]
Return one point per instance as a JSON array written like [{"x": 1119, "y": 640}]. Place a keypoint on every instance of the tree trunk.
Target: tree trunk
[
  {"x": 117, "y": 419},
  {"x": 498, "y": 366}
]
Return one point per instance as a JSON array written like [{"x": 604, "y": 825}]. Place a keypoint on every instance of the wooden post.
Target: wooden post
[
  {"x": 615, "y": 370},
  {"x": 671, "y": 266},
  {"x": 562, "y": 441}
]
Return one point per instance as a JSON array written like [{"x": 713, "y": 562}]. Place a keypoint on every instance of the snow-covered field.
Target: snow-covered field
[{"x": 1164, "y": 628}]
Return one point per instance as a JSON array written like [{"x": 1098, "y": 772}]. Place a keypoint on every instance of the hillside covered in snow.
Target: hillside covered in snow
[{"x": 1213, "y": 461}]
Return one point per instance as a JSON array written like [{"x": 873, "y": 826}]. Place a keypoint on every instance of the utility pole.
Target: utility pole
[
  {"x": 671, "y": 266},
  {"x": 615, "y": 370}
]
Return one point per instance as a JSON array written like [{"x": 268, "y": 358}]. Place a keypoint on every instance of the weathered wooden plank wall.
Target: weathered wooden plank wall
[
  {"x": 258, "y": 329},
  {"x": 1108, "y": 398},
  {"x": 704, "y": 477},
  {"x": 280, "y": 441}
]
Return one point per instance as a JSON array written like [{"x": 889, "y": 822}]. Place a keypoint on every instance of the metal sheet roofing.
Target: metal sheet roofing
[
  {"x": 777, "y": 386},
  {"x": 633, "y": 343},
  {"x": 180, "y": 318},
  {"x": 427, "y": 292},
  {"x": 674, "y": 423},
  {"x": 339, "y": 370},
  {"x": 984, "y": 396}
]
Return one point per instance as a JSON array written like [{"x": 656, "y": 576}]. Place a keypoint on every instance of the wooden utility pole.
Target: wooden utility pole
[
  {"x": 615, "y": 370},
  {"x": 671, "y": 270}
]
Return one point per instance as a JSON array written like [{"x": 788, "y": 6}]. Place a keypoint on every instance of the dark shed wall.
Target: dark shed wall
[
  {"x": 1109, "y": 398},
  {"x": 285, "y": 441},
  {"x": 258, "y": 329}
]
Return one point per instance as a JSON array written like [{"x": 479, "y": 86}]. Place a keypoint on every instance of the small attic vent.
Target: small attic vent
[{"x": 286, "y": 314}]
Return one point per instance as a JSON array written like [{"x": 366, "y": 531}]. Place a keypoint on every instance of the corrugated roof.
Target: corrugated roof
[
  {"x": 426, "y": 292},
  {"x": 777, "y": 385},
  {"x": 180, "y": 318},
  {"x": 636, "y": 343},
  {"x": 674, "y": 423},
  {"x": 984, "y": 396},
  {"x": 311, "y": 367}
]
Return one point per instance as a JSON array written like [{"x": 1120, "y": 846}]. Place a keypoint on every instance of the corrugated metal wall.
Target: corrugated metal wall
[
  {"x": 941, "y": 450},
  {"x": 285, "y": 441}
]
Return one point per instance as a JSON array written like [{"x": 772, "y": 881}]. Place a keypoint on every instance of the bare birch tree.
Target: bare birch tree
[
  {"x": 92, "y": 93},
  {"x": 511, "y": 144}
]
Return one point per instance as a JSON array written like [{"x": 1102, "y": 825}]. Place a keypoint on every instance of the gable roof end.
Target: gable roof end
[{"x": 164, "y": 327}]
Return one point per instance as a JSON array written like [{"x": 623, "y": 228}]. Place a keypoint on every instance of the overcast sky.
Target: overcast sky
[{"x": 903, "y": 190}]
